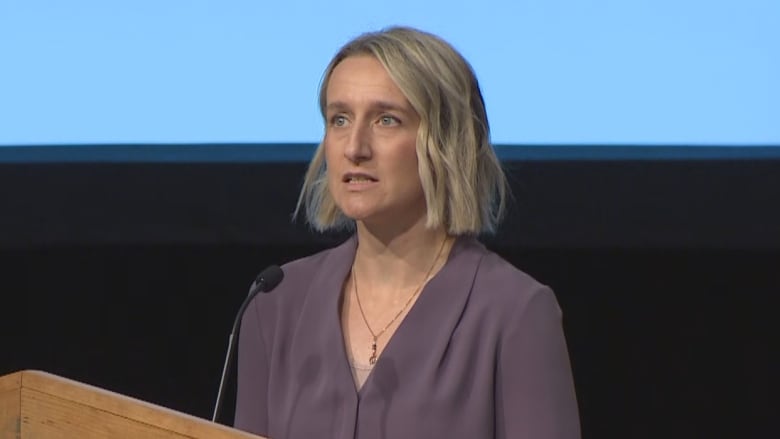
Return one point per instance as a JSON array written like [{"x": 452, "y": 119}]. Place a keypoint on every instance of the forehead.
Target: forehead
[{"x": 362, "y": 78}]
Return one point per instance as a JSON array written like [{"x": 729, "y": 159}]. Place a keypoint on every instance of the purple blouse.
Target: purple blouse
[{"x": 481, "y": 354}]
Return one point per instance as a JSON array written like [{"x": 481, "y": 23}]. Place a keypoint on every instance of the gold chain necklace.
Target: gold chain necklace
[{"x": 375, "y": 336}]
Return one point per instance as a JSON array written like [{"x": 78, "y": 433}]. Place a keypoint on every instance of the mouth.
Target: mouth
[{"x": 357, "y": 178}]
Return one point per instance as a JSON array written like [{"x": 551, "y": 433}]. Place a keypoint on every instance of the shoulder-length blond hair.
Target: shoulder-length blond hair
[{"x": 464, "y": 185}]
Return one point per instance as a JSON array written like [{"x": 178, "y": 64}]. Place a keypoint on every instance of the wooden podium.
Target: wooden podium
[{"x": 38, "y": 405}]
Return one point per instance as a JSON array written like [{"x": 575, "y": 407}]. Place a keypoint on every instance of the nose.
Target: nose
[{"x": 358, "y": 147}]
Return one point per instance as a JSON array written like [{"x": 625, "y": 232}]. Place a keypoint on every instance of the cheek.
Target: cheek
[
  {"x": 327, "y": 150},
  {"x": 331, "y": 172},
  {"x": 409, "y": 163},
  {"x": 329, "y": 154}
]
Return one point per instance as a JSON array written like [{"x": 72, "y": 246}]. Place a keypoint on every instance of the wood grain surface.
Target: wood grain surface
[{"x": 40, "y": 405}]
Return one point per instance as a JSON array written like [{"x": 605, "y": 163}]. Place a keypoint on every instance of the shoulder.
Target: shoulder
[
  {"x": 339, "y": 255},
  {"x": 306, "y": 266},
  {"x": 320, "y": 268},
  {"x": 503, "y": 286}
]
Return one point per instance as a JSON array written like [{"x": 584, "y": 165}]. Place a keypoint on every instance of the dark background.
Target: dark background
[{"x": 124, "y": 267}]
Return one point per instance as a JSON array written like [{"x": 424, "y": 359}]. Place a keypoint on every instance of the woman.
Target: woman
[{"x": 411, "y": 328}]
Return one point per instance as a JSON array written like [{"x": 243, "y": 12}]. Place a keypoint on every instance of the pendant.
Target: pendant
[{"x": 372, "y": 358}]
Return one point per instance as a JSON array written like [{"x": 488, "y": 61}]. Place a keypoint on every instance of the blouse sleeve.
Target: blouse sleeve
[
  {"x": 534, "y": 387},
  {"x": 252, "y": 386}
]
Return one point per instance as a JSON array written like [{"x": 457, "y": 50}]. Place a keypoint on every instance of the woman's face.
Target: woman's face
[{"x": 370, "y": 145}]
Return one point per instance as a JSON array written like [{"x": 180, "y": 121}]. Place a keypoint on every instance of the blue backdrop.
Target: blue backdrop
[{"x": 683, "y": 72}]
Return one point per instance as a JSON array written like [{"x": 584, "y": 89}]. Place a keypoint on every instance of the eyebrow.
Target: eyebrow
[{"x": 379, "y": 105}]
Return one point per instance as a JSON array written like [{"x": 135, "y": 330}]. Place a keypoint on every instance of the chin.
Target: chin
[
  {"x": 357, "y": 209},
  {"x": 357, "y": 214}
]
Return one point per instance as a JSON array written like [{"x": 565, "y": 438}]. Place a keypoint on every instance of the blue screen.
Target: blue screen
[{"x": 662, "y": 72}]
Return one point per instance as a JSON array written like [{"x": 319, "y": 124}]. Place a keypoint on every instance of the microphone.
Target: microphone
[{"x": 266, "y": 281}]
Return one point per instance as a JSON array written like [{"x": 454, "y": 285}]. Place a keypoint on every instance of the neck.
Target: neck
[{"x": 397, "y": 260}]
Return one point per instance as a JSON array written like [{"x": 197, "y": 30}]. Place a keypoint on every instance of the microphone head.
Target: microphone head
[{"x": 269, "y": 278}]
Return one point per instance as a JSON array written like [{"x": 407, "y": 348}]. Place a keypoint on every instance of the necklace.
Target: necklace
[{"x": 376, "y": 335}]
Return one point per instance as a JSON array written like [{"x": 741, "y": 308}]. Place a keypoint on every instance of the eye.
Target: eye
[
  {"x": 388, "y": 120},
  {"x": 338, "y": 120}
]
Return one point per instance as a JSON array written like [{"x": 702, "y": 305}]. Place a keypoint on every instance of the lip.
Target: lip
[
  {"x": 362, "y": 176},
  {"x": 365, "y": 181}
]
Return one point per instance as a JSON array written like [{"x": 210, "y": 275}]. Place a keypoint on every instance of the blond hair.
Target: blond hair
[{"x": 463, "y": 182}]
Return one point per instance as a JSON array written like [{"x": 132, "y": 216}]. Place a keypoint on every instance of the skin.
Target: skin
[
  {"x": 371, "y": 134},
  {"x": 370, "y": 150}
]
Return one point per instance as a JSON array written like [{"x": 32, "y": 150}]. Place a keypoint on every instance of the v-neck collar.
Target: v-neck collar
[{"x": 422, "y": 335}]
